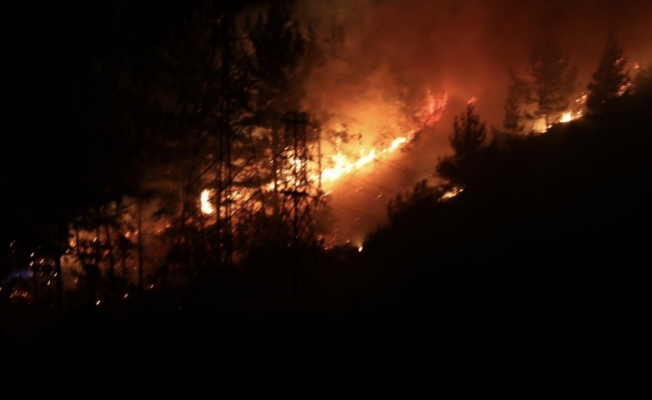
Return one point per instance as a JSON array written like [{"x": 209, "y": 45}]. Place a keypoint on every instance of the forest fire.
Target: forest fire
[
  {"x": 236, "y": 177},
  {"x": 343, "y": 165},
  {"x": 340, "y": 164}
]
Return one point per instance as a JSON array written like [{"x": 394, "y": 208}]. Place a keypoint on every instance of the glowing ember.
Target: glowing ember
[
  {"x": 624, "y": 89},
  {"x": 206, "y": 206},
  {"x": 20, "y": 294}
]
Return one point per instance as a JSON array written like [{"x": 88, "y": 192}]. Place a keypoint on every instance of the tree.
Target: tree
[
  {"x": 210, "y": 82},
  {"x": 468, "y": 143},
  {"x": 611, "y": 79},
  {"x": 552, "y": 80},
  {"x": 231, "y": 84},
  {"x": 278, "y": 49},
  {"x": 515, "y": 95},
  {"x": 283, "y": 57}
]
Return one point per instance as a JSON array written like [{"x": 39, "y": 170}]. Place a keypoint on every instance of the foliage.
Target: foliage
[
  {"x": 516, "y": 93},
  {"x": 552, "y": 79},
  {"x": 611, "y": 79},
  {"x": 468, "y": 144}
]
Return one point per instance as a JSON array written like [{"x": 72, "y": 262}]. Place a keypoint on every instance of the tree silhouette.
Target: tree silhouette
[
  {"x": 516, "y": 92},
  {"x": 280, "y": 63},
  {"x": 468, "y": 142},
  {"x": 552, "y": 81},
  {"x": 610, "y": 80}
]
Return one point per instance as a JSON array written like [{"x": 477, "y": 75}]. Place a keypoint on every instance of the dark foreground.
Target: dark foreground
[{"x": 530, "y": 314}]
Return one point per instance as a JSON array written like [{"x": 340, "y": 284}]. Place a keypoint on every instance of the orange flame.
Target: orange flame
[
  {"x": 342, "y": 165},
  {"x": 566, "y": 117},
  {"x": 339, "y": 164},
  {"x": 206, "y": 206}
]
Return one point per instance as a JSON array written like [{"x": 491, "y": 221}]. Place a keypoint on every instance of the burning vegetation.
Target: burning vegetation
[{"x": 237, "y": 144}]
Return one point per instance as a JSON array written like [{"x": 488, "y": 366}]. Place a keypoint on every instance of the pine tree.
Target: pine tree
[
  {"x": 469, "y": 134},
  {"x": 611, "y": 79},
  {"x": 468, "y": 143},
  {"x": 553, "y": 79},
  {"x": 513, "y": 115}
]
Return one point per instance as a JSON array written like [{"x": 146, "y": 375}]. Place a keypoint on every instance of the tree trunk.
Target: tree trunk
[
  {"x": 57, "y": 268},
  {"x": 276, "y": 211},
  {"x": 34, "y": 280},
  {"x": 109, "y": 245},
  {"x": 140, "y": 245},
  {"x": 98, "y": 250}
]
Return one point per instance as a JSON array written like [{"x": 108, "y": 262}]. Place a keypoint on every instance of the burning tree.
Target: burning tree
[
  {"x": 611, "y": 79},
  {"x": 233, "y": 87},
  {"x": 551, "y": 80},
  {"x": 283, "y": 57},
  {"x": 192, "y": 125},
  {"x": 195, "y": 160},
  {"x": 209, "y": 87}
]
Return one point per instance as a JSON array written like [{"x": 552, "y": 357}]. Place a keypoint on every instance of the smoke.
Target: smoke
[{"x": 384, "y": 55}]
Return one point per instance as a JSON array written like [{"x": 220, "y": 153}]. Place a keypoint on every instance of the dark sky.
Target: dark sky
[{"x": 50, "y": 51}]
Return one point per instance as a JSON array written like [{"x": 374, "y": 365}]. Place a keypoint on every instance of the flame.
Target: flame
[
  {"x": 566, "y": 117},
  {"x": 569, "y": 116},
  {"x": 623, "y": 89},
  {"x": 206, "y": 206},
  {"x": 341, "y": 165},
  {"x": 451, "y": 193}
]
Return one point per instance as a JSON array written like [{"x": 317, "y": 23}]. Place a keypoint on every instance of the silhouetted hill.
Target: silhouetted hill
[{"x": 554, "y": 232}]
